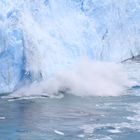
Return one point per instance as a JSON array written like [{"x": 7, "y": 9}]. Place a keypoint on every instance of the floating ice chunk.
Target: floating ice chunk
[
  {"x": 114, "y": 131},
  {"x": 59, "y": 132},
  {"x": 81, "y": 136},
  {"x": 2, "y": 118}
]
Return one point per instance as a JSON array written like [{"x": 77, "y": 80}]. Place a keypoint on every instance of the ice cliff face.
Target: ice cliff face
[
  {"x": 38, "y": 38},
  {"x": 11, "y": 50}
]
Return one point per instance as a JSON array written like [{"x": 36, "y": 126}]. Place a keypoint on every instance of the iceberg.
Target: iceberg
[{"x": 40, "y": 38}]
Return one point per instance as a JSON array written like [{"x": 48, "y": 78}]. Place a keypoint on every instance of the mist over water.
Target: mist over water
[{"x": 86, "y": 78}]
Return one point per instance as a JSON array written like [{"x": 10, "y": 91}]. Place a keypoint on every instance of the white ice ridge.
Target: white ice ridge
[{"x": 39, "y": 38}]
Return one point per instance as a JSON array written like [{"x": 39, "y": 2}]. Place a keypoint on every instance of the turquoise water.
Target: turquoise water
[{"x": 74, "y": 118}]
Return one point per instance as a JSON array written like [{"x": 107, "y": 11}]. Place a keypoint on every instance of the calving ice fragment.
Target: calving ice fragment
[{"x": 39, "y": 39}]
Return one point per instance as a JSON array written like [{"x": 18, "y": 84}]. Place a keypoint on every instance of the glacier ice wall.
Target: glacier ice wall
[
  {"x": 11, "y": 51},
  {"x": 40, "y": 38}
]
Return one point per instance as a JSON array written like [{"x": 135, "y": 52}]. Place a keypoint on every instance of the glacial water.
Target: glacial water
[{"x": 73, "y": 117}]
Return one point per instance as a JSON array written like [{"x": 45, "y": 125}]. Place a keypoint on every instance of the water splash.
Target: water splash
[{"x": 85, "y": 78}]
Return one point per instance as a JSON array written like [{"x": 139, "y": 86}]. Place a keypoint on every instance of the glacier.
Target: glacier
[{"x": 40, "y": 38}]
